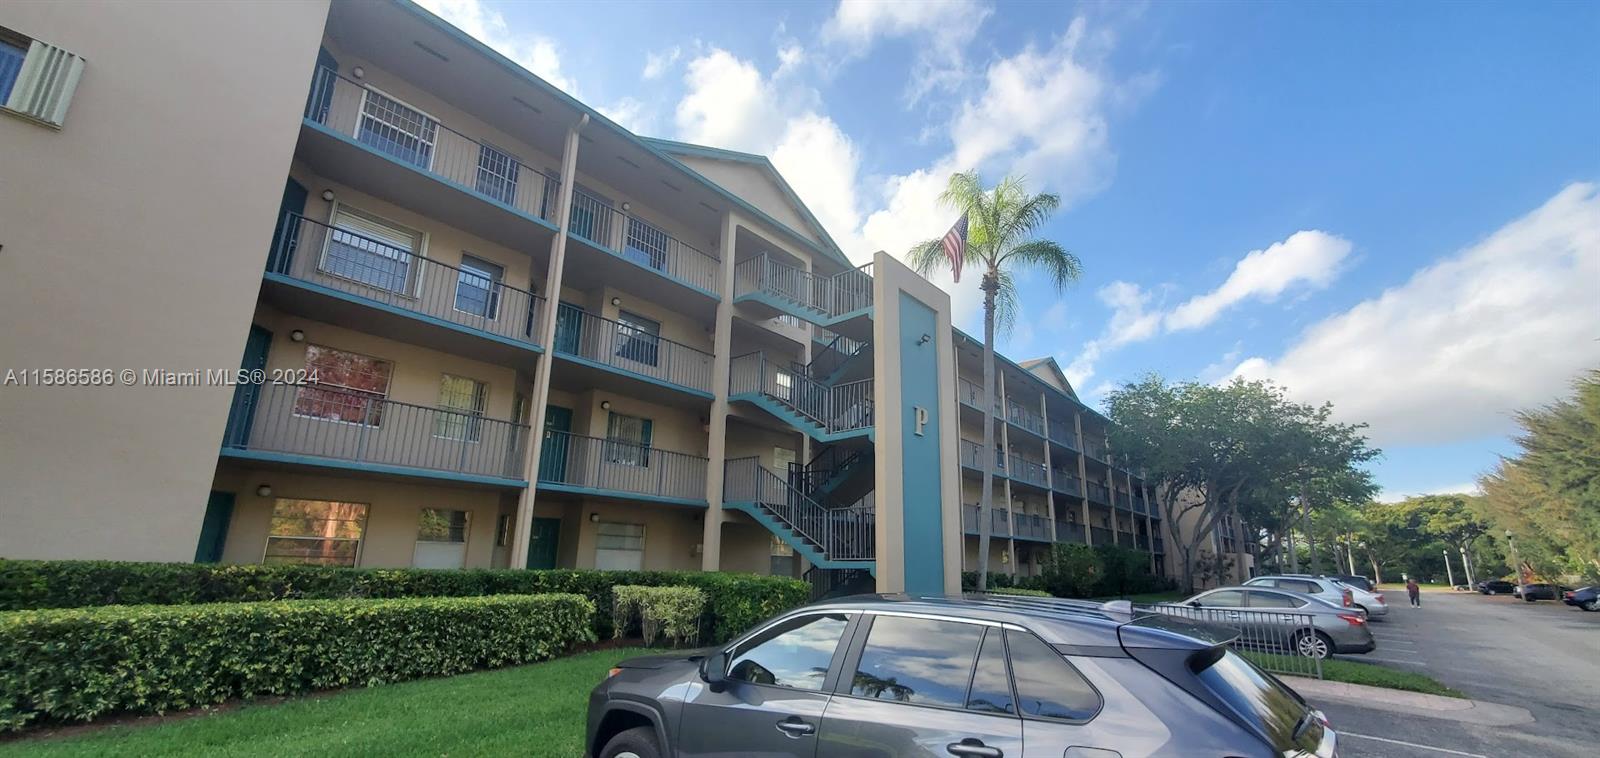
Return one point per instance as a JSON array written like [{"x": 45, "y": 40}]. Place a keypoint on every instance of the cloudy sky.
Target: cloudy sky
[{"x": 1393, "y": 208}]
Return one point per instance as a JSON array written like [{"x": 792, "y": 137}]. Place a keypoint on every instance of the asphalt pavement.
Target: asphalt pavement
[{"x": 1541, "y": 656}]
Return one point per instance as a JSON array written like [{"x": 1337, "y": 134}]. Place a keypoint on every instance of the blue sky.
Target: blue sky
[{"x": 1387, "y": 206}]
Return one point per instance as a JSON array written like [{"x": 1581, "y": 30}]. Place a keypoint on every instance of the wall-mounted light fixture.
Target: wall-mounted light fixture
[
  {"x": 327, "y": 195},
  {"x": 358, "y": 72},
  {"x": 605, "y": 405},
  {"x": 626, "y": 207},
  {"x": 924, "y": 339},
  {"x": 297, "y": 336},
  {"x": 594, "y": 518},
  {"x": 617, "y": 301},
  {"x": 264, "y": 490}
]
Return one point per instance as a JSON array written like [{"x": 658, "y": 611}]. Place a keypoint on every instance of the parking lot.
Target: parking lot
[{"x": 1539, "y": 656}]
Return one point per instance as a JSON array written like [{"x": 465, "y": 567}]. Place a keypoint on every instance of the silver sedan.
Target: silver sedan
[{"x": 1279, "y": 619}]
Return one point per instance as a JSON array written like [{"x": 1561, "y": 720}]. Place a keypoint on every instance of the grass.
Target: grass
[
  {"x": 1352, "y": 672},
  {"x": 529, "y": 710}
]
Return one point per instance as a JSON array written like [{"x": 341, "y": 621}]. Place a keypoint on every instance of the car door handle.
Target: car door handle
[
  {"x": 973, "y": 748},
  {"x": 794, "y": 727}
]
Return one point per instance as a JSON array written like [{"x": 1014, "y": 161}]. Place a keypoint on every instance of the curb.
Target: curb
[{"x": 1413, "y": 703}]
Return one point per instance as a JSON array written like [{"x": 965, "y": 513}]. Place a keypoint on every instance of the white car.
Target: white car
[
  {"x": 1318, "y": 587},
  {"x": 1371, "y": 602}
]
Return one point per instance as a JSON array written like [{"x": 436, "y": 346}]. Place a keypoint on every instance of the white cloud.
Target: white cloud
[
  {"x": 1310, "y": 258},
  {"x": 656, "y": 64},
  {"x": 1397, "y": 494},
  {"x": 632, "y": 114},
  {"x": 729, "y": 104},
  {"x": 942, "y": 30},
  {"x": 1132, "y": 320},
  {"x": 1502, "y": 325},
  {"x": 531, "y": 51}
]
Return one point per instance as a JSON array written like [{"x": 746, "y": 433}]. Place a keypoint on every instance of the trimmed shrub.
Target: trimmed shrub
[
  {"x": 77, "y": 664},
  {"x": 673, "y": 612},
  {"x": 736, "y": 602},
  {"x": 1072, "y": 570},
  {"x": 1019, "y": 591}
]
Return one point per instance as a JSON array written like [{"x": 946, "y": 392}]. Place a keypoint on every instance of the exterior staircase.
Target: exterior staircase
[
  {"x": 829, "y": 538},
  {"x": 825, "y": 413},
  {"x": 837, "y": 301},
  {"x": 836, "y": 476}
]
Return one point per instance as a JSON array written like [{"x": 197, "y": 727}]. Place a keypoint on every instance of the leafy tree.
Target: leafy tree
[
  {"x": 1072, "y": 570},
  {"x": 1001, "y": 226}
]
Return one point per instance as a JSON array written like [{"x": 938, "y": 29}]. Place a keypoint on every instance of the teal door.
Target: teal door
[
  {"x": 214, "y": 528},
  {"x": 557, "y": 444},
  {"x": 286, "y": 235},
  {"x": 542, "y": 541},
  {"x": 569, "y": 328},
  {"x": 246, "y": 394}
]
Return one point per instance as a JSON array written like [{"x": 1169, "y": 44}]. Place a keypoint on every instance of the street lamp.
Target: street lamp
[
  {"x": 1466, "y": 565},
  {"x": 1516, "y": 565},
  {"x": 1449, "y": 572}
]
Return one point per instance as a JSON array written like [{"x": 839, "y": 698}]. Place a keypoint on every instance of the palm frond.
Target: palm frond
[
  {"x": 1061, "y": 266},
  {"x": 1005, "y": 302},
  {"x": 927, "y": 256}
]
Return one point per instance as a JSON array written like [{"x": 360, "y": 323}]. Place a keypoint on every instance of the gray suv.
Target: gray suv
[{"x": 974, "y": 677}]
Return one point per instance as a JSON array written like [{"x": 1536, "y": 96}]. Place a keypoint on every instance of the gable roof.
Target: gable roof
[
  {"x": 1047, "y": 369},
  {"x": 762, "y": 164}
]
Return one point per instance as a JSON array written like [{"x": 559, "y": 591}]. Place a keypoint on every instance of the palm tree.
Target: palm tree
[{"x": 1001, "y": 224}]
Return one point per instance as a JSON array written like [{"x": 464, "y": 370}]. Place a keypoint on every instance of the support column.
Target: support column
[
  {"x": 1083, "y": 477},
  {"x": 547, "y": 337},
  {"x": 1150, "y": 529},
  {"x": 717, "y": 443},
  {"x": 1049, "y": 471}
]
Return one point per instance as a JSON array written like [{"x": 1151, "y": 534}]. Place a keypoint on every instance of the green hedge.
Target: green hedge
[
  {"x": 656, "y": 612},
  {"x": 1018, "y": 591},
  {"x": 736, "y": 601},
  {"x": 1078, "y": 571},
  {"x": 77, "y": 664}
]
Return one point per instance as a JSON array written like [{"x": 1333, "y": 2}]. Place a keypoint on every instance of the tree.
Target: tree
[{"x": 1001, "y": 228}]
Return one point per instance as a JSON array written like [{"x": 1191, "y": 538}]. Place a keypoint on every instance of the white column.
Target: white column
[{"x": 717, "y": 444}]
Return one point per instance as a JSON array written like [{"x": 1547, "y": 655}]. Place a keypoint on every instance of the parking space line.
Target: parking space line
[{"x": 1447, "y": 751}]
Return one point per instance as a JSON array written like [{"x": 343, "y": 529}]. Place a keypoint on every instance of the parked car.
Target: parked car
[
  {"x": 1359, "y": 582},
  {"x": 1370, "y": 601},
  {"x": 1315, "y": 586},
  {"x": 1334, "y": 629},
  {"x": 1538, "y": 591},
  {"x": 976, "y": 676},
  {"x": 1587, "y": 598},
  {"x": 1496, "y": 587}
]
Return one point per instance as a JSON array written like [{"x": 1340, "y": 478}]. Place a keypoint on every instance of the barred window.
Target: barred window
[
  {"x": 461, "y": 407},
  {"x": 324, "y": 532},
  {"x": 628, "y": 440},
  {"x": 442, "y": 525},
  {"x": 397, "y": 129},
  {"x": 349, "y": 387}
]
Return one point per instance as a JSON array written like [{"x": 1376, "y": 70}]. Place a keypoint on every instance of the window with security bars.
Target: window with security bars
[
  {"x": 397, "y": 129},
  {"x": 628, "y": 440},
  {"x": 638, "y": 338},
  {"x": 368, "y": 250},
  {"x": 478, "y": 287},
  {"x": 442, "y": 525},
  {"x": 461, "y": 407},
  {"x": 12, "y": 52},
  {"x": 348, "y": 387},
  {"x": 497, "y": 174},
  {"x": 323, "y": 532},
  {"x": 646, "y": 245},
  {"x": 618, "y": 547}
]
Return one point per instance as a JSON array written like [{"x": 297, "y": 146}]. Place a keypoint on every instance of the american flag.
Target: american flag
[{"x": 955, "y": 245}]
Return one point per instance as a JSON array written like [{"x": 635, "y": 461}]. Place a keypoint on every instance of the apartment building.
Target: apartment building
[{"x": 496, "y": 329}]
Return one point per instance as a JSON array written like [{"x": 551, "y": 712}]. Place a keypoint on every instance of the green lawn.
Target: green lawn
[
  {"x": 529, "y": 710},
  {"x": 1354, "y": 672}
]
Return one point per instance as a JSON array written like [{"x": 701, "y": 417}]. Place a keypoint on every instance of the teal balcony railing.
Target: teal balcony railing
[
  {"x": 1067, "y": 531},
  {"x": 1062, "y": 433},
  {"x": 840, "y": 533},
  {"x": 1094, "y": 449},
  {"x": 1000, "y": 520},
  {"x": 971, "y": 394},
  {"x": 314, "y": 252},
  {"x": 632, "y": 238},
  {"x": 1099, "y": 494},
  {"x": 1029, "y": 471},
  {"x": 822, "y": 296},
  {"x": 835, "y": 408},
  {"x": 1022, "y": 417},
  {"x": 631, "y": 348},
  {"x": 1032, "y": 527},
  {"x": 972, "y": 457},
  {"x": 616, "y": 466},
  {"x": 1065, "y": 483},
  {"x": 1101, "y": 536}
]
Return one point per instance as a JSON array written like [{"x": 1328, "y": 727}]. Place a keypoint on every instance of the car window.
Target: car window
[
  {"x": 1223, "y": 599},
  {"x": 1297, "y": 585},
  {"x": 1260, "y": 599},
  {"x": 915, "y": 660},
  {"x": 1262, "y": 700},
  {"x": 795, "y": 653},
  {"x": 1259, "y": 583},
  {"x": 991, "y": 681},
  {"x": 1048, "y": 686}
]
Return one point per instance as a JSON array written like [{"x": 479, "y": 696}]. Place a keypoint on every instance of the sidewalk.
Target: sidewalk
[{"x": 1414, "y": 703}]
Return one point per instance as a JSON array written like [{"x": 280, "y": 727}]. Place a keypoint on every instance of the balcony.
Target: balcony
[
  {"x": 1095, "y": 449},
  {"x": 828, "y": 537},
  {"x": 594, "y": 466},
  {"x": 596, "y": 222},
  {"x": 1000, "y": 521},
  {"x": 826, "y": 413},
  {"x": 1029, "y": 472},
  {"x": 1124, "y": 501},
  {"x": 1099, "y": 494},
  {"x": 841, "y": 302},
  {"x": 1101, "y": 536},
  {"x": 621, "y": 348},
  {"x": 1160, "y": 546},
  {"x": 1142, "y": 542},
  {"x": 1022, "y": 418},
  {"x": 1030, "y": 527},
  {"x": 1066, "y": 483},
  {"x": 341, "y": 277},
  {"x": 1063, "y": 434},
  {"x": 972, "y": 457},
  {"x": 1069, "y": 532},
  {"x": 320, "y": 426},
  {"x": 971, "y": 395}
]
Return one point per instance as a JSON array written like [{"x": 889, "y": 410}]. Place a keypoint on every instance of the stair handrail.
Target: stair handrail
[{"x": 830, "y": 530}]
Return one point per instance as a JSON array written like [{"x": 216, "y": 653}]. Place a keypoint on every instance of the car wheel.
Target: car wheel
[
  {"x": 1592, "y": 606},
  {"x": 1313, "y": 645},
  {"x": 638, "y": 742},
  {"x": 1528, "y": 598}
]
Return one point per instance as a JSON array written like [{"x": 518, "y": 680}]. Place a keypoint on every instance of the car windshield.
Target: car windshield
[{"x": 1261, "y": 700}]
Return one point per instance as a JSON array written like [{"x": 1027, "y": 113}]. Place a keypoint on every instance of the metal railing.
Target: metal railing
[
  {"x": 1272, "y": 639},
  {"x": 618, "y": 466},
  {"x": 412, "y": 137},
  {"x": 1098, "y": 494},
  {"x": 1032, "y": 527},
  {"x": 833, "y": 356},
  {"x": 827, "y": 295},
  {"x": 1023, "y": 418},
  {"x": 1063, "y": 434},
  {"x": 999, "y": 519},
  {"x": 327, "y": 422},
  {"x": 1066, "y": 483},
  {"x": 631, "y": 348},
  {"x": 971, "y": 393},
  {"x": 1028, "y": 471},
  {"x": 314, "y": 252},
  {"x": 1124, "y": 501},
  {"x": 1140, "y": 505},
  {"x": 840, "y": 533},
  {"x": 1160, "y": 546},
  {"x": 835, "y": 408},
  {"x": 1094, "y": 449},
  {"x": 1102, "y": 536},
  {"x": 596, "y": 220},
  {"x": 824, "y": 466},
  {"x": 1069, "y": 532},
  {"x": 972, "y": 457}
]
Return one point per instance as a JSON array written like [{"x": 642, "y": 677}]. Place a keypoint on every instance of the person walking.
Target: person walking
[{"x": 1414, "y": 592}]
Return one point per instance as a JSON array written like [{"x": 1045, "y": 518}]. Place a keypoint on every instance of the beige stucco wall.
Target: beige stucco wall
[
  {"x": 752, "y": 185},
  {"x": 135, "y": 237}
]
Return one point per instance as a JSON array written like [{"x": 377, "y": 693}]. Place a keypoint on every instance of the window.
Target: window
[
  {"x": 619, "y": 547},
  {"x": 324, "y": 532},
  {"x": 350, "y": 387},
  {"x": 1299, "y": 585},
  {"x": 44, "y": 94},
  {"x": 795, "y": 653},
  {"x": 461, "y": 404},
  {"x": 591, "y": 215},
  {"x": 502, "y": 531},
  {"x": 782, "y": 558},
  {"x": 365, "y": 249},
  {"x": 918, "y": 661},
  {"x": 1048, "y": 686},
  {"x": 12, "y": 51},
  {"x": 397, "y": 129},
  {"x": 628, "y": 440},
  {"x": 1260, "y": 599},
  {"x": 497, "y": 174},
  {"x": 646, "y": 245},
  {"x": 1223, "y": 599},
  {"x": 991, "y": 680},
  {"x": 440, "y": 525},
  {"x": 478, "y": 287},
  {"x": 1260, "y": 699},
  {"x": 638, "y": 338}
]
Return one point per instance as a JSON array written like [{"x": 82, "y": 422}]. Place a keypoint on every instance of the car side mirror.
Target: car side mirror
[
  {"x": 1194, "y": 603},
  {"x": 714, "y": 670}
]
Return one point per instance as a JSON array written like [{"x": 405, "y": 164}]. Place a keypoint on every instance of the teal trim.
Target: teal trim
[
  {"x": 625, "y": 259},
  {"x": 921, "y": 472},
  {"x": 799, "y": 311},
  {"x": 599, "y": 118},
  {"x": 376, "y": 468},
  {"x": 799, "y": 422},
  {"x": 624, "y": 372},
  {"x": 382, "y": 306},
  {"x": 1036, "y": 380},
  {"x": 624, "y": 494},
  {"x": 214, "y": 527},
  {"x": 783, "y": 532}
]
